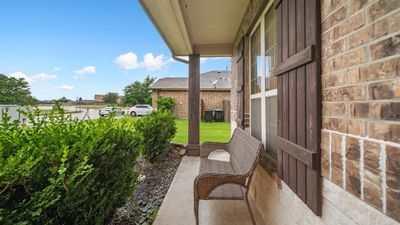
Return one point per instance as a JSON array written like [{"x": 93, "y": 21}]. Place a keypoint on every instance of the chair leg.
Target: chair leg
[
  {"x": 251, "y": 213},
  {"x": 196, "y": 210}
]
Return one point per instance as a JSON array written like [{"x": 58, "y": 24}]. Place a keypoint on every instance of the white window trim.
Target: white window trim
[{"x": 263, "y": 93}]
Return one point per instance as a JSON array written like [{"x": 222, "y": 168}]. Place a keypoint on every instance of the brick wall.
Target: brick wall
[
  {"x": 361, "y": 100},
  {"x": 212, "y": 100}
]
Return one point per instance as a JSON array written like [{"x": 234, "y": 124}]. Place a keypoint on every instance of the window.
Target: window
[
  {"x": 263, "y": 85},
  {"x": 270, "y": 48},
  {"x": 256, "y": 62}
]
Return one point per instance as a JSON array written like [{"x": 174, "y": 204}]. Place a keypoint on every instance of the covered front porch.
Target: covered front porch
[
  {"x": 177, "y": 207},
  {"x": 192, "y": 30}
]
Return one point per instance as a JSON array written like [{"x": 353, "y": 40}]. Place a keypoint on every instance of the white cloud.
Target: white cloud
[
  {"x": 57, "y": 68},
  {"x": 35, "y": 78},
  {"x": 86, "y": 70},
  {"x": 129, "y": 61},
  {"x": 152, "y": 63},
  {"x": 65, "y": 87}
]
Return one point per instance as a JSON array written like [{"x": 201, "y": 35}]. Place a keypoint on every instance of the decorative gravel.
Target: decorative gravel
[{"x": 151, "y": 189}]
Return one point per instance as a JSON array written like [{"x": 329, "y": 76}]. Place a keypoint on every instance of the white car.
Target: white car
[
  {"x": 140, "y": 110},
  {"x": 108, "y": 110}
]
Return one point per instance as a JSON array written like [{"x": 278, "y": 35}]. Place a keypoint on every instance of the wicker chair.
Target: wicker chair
[{"x": 227, "y": 180}]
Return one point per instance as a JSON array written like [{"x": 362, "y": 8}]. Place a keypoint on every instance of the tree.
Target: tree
[
  {"x": 165, "y": 103},
  {"x": 139, "y": 92},
  {"x": 15, "y": 91},
  {"x": 111, "y": 98}
]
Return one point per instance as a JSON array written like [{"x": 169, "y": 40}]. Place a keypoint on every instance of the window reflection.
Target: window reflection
[
  {"x": 256, "y": 62},
  {"x": 270, "y": 49}
]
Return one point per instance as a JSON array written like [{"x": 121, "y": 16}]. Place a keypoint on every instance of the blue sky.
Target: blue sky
[{"x": 78, "y": 48}]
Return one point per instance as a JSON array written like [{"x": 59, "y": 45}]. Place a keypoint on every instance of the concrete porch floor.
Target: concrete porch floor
[{"x": 177, "y": 208}]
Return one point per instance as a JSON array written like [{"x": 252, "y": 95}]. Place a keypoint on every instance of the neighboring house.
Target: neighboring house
[
  {"x": 326, "y": 108},
  {"x": 100, "y": 98},
  {"x": 215, "y": 88}
]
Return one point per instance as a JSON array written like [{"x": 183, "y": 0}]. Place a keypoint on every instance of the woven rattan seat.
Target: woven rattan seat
[{"x": 227, "y": 180}]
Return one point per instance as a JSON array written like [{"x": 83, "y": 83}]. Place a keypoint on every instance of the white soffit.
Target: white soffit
[
  {"x": 206, "y": 27},
  {"x": 167, "y": 18}
]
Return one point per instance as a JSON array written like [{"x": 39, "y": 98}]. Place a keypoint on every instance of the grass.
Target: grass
[
  {"x": 48, "y": 111},
  {"x": 219, "y": 132}
]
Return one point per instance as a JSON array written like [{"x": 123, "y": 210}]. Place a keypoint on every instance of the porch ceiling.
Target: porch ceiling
[{"x": 205, "y": 27}]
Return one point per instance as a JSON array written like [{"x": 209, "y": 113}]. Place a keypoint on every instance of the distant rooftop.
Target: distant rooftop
[{"x": 213, "y": 80}]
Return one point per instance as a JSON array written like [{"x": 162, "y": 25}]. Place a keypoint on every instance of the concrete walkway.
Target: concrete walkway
[{"x": 177, "y": 208}]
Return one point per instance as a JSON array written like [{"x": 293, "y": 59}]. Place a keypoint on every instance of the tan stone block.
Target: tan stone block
[
  {"x": 334, "y": 124},
  {"x": 353, "y": 23},
  {"x": 353, "y": 183},
  {"x": 334, "y": 18},
  {"x": 384, "y": 90},
  {"x": 366, "y": 110},
  {"x": 325, "y": 161},
  {"x": 353, "y": 75},
  {"x": 381, "y": 70},
  {"x": 325, "y": 140},
  {"x": 393, "y": 167},
  {"x": 385, "y": 131},
  {"x": 327, "y": 66},
  {"x": 352, "y": 150},
  {"x": 328, "y": 6},
  {"x": 351, "y": 93},
  {"x": 381, "y": 8},
  {"x": 332, "y": 80},
  {"x": 388, "y": 25},
  {"x": 372, "y": 189},
  {"x": 356, "y": 127},
  {"x": 362, "y": 36},
  {"x": 329, "y": 36},
  {"x": 393, "y": 203},
  {"x": 337, "y": 176},
  {"x": 385, "y": 48},
  {"x": 337, "y": 148},
  {"x": 333, "y": 109},
  {"x": 371, "y": 155},
  {"x": 334, "y": 48},
  {"x": 391, "y": 111},
  {"x": 355, "y": 5},
  {"x": 355, "y": 57}
]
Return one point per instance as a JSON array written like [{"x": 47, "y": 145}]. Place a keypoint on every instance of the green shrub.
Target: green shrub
[
  {"x": 61, "y": 171},
  {"x": 155, "y": 131},
  {"x": 165, "y": 103}
]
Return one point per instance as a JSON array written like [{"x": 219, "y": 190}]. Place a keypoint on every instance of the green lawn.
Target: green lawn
[{"x": 219, "y": 132}]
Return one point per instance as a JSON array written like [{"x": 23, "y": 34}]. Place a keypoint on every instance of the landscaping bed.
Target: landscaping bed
[{"x": 151, "y": 188}]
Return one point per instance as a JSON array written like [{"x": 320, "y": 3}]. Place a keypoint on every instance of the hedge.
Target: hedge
[{"x": 61, "y": 171}]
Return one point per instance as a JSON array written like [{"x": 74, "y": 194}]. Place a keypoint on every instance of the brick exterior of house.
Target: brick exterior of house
[
  {"x": 361, "y": 100},
  {"x": 360, "y": 139},
  {"x": 211, "y": 99}
]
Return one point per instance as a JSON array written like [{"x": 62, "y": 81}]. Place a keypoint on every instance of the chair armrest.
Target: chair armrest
[
  {"x": 205, "y": 183},
  {"x": 207, "y": 147}
]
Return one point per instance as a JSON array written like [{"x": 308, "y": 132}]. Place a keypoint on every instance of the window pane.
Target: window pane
[
  {"x": 271, "y": 124},
  {"x": 256, "y": 118},
  {"x": 270, "y": 49},
  {"x": 256, "y": 62}
]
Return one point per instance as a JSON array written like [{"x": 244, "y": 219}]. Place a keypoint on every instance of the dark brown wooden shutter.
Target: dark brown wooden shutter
[
  {"x": 299, "y": 98},
  {"x": 240, "y": 85}
]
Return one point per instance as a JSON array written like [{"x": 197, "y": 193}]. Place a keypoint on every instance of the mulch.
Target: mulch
[{"x": 151, "y": 188}]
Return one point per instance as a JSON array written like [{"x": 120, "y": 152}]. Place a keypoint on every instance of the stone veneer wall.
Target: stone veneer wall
[
  {"x": 361, "y": 123},
  {"x": 361, "y": 100}
]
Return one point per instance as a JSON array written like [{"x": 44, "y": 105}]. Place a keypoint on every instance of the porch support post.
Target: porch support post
[{"x": 194, "y": 105}]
